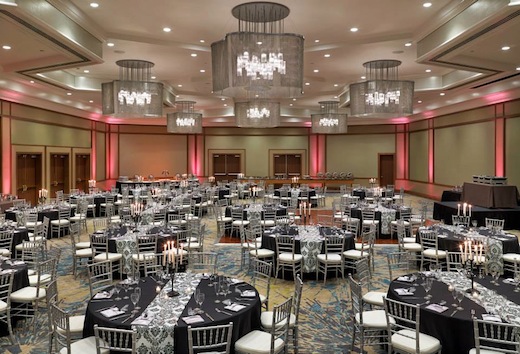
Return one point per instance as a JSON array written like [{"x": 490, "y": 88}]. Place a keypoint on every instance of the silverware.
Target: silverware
[
  {"x": 118, "y": 316},
  {"x": 106, "y": 308},
  {"x": 222, "y": 311},
  {"x": 129, "y": 317},
  {"x": 209, "y": 316},
  {"x": 453, "y": 313}
]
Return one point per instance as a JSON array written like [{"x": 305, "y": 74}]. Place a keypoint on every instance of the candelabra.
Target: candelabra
[
  {"x": 170, "y": 269},
  {"x": 42, "y": 200},
  {"x": 471, "y": 265}
]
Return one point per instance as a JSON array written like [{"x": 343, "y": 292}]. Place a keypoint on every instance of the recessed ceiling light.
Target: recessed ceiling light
[
  {"x": 167, "y": 29},
  {"x": 153, "y": 77},
  {"x": 427, "y": 4},
  {"x": 32, "y": 81},
  {"x": 294, "y": 99},
  {"x": 222, "y": 99},
  {"x": 336, "y": 85},
  {"x": 326, "y": 55},
  {"x": 110, "y": 44},
  {"x": 86, "y": 71},
  {"x": 290, "y": 104},
  {"x": 193, "y": 55},
  {"x": 202, "y": 41},
  {"x": 6, "y": 47},
  {"x": 316, "y": 41},
  {"x": 94, "y": 5},
  {"x": 259, "y": 43},
  {"x": 316, "y": 70},
  {"x": 428, "y": 70},
  {"x": 363, "y": 77},
  {"x": 419, "y": 101},
  {"x": 69, "y": 93},
  {"x": 518, "y": 68},
  {"x": 354, "y": 29},
  {"x": 335, "y": 96},
  {"x": 177, "y": 96},
  {"x": 179, "y": 85},
  {"x": 225, "y": 104},
  {"x": 442, "y": 93},
  {"x": 91, "y": 101},
  {"x": 409, "y": 44},
  {"x": 202, "y": 70},
  {"x": 307, "y": 83},
  {"x": 506, "y": 47}
]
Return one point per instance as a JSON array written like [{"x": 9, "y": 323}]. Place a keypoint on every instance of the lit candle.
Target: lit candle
[
  {"x": 304, "y": 208},
  {"x": 301, "y": 208},
  {"x": 461, "y": 253},
  {"x": 164, "y": 255},
  {"x": 464, "y": 207},
  {"x": 480, "y": 253},
  {"x": 469, "y": 210},
  {"x": 310, "y": 204},
  {"x": 182, "y": 251},
  {"x": 458, "y": 209}
]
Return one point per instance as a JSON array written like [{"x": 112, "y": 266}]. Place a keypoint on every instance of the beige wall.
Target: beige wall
[
  {"x": 101, "y": 153},
  {"x": 256, "y": 149},
  {"x": 463, "y": 151},
  {"x": 512, "y": 151},
  {"x": 146, "y": 154},
  {"x": 357, "y": 153},
  {"x": 418, "y": 163},
  {"x": 31, "y": 133}
]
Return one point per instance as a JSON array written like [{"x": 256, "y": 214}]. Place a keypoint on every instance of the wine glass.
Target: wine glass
[
  {"x": 496, "y": 276},
  {"x": 199, "y": 299},
  {"x": 474, "y": 223},
  {"x": 224, "y": 287},
  {"x": 451, "y": 289},
  {"x": 135, "y": 296},
  {"x": 117, "y": 290},
  {"x": 427, "y": 285},
  {"x": 217, "y": 287},
  {"x": 460, "y": 297}
]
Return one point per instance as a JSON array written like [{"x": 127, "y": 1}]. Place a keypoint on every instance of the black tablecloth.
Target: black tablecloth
[
  {"x": 444, "y": 211},
  {"x": 451, "y": 196},
  {"x": 52, "y": 214},
  {"x": 453, "y": 329},
  {"x": 244, "y": 320},
  {"x": 21, "y": 280}
]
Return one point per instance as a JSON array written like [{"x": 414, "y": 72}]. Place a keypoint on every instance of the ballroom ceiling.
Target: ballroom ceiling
[{"x": 61, "y": 51}]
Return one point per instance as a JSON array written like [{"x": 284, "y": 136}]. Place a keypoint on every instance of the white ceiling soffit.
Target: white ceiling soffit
[
  {"x": 470, "y": 42},
  {"x": 52, "y": 42}
]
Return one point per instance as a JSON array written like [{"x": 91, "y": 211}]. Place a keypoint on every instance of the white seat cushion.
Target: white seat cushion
[
  {"x": 44, "y": 278},
  {"x": 373, "y": 319},
  {"x": 266, "y": 318},
  {"x": 370, "y": 222},
  {"x": 396, "y": 222},
  {"x": 5, "y": 251},
  {"x": 3, "y": 306},
  {"x": 405, "y": 340},
  {"x": 27, "y": 294},
  {"x": 409, "y": 240},
  {"x": 375, "y": 298},
  {"x": 84, "y": 346},
  {"x": 511, "y": 257},
  {"x": 484, "y": 351},
  {"x": 430, "y": 252},
  {"x": 84, "y": 244},
  {"x": 331, "y": 258},
  {"x": 143, "y": 256},
  {"x": 262, "y": 253},
  {"x": 107, "y": 257},
  {"x": 288, "y": 257},
  {"x": 240, "y": 222},
  {"x": 60, "y": 222},
  {"x": 267, "y": 222},
  {"x": 354, "y": 254},
  {"x": 258, "y": 342},
  {"x": 412, "y": 247},
  {"x": 359, "y": 245},
  {"x": 84, "y": 252},
  {"x": 76, "y": 324}
]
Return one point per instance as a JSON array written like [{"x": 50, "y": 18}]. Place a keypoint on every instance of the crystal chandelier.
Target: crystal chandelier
[
  {"x": 257, "y": 113},
  {"x": 382, "y": 95},
  {"x": 133, "y": 95},
  {"x": 329, "y": 121},
  {"x": 184, "y": 121},
  {"x": 259, "y": 57}
]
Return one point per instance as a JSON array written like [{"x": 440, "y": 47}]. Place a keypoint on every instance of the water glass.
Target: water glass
[
  {"x": 460, "y": 297},
  {"x": 199, "y": 299}
]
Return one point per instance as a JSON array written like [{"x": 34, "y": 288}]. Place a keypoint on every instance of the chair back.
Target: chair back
[
  {"x": 99, "y": 224},
  {"x": 237, "y": 213},
  {"x": 64, "y": 213},
  {"x": 99, "y": 243},
  {"x": 405, "y": 214},
  {"x": 100, "y": 276},
  {"x": 280, "y": 325},
  {"x": 368, "y": 214},
  {"x": 146, "y": 244},
  {"x": 496, "y": 337},
  {"x": 356, "y": 296},
  {"x": 6, "y": 287},
  {"x": 285, "y": 244},
  {"x": 454, "y": 261},
  {"x": 115, "y": 339},
  {"x": 398, "y": 261},
  {"x": 297, "y": 298},
  {"x": 334, "y": 244},
  {"x": 61, "y": 327},
  {"x": 402, "y": 316},
  {"x": 262, "y": 276},
  {"x": 429, "y": 239},
  {"x": 460, "y": 220},
  {"x": 495, "y": 224},
  {"x": 51, "y": 293},
  {"x": 210, "y": 339},
  {"x": 203, "y": 262},
  {"x": 6, "y": 240},
  {"x": 32, "y": 253}
]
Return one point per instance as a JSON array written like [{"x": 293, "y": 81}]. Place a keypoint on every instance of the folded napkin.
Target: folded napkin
[
  {"x": 248, "y": 293},
  {"x": 103, "y": 295},
  {"x": 509, "y": 281},
  {"x": 112, "y": 312},
  {"x": 236, "y": 281},
  {"x": 437, "y": 308},
  {"x": 18, "y": 262},
  {"x": 142, "y": 321},
  {"x": 406, "y": 278},
  {"x": 235, "y": 307},
  {"x": 491, "y": 317},
  {"x": 7, "y": 271},
  {"x": 193, "y": 319},
  {"x": 442, "y": 236},
  {"x": 402, "y": 291}
]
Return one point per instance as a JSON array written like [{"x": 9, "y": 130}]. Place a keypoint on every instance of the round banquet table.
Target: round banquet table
[
  {"x": 244, "y": 320},
  {"x": 52, "y": 214},
  {"x": 308, "y": 248},
  {"x": 453, "y": 328},
  {"x": 20, "y": 234}
]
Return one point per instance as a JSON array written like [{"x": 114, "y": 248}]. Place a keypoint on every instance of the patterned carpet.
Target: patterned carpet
[{"x": 324, "y": 312}]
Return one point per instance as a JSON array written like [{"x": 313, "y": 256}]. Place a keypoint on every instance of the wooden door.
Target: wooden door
[
  {"x": 386, "y": 169},
  {"x": 287, "y": 165},
  {"x": 82, "y": 165},
  {"x": 28, "y": 176},
  {"x": 59, "y": 174},
  {"x": 226, "y": 166}
]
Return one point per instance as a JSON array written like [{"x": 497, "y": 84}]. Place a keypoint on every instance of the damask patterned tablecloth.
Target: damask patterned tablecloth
[{"x": 387, "y": 216}]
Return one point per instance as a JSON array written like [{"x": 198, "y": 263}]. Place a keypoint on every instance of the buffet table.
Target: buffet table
[
  {"x": 489, "y": 196},
  {"x": 161, "y": 321}
]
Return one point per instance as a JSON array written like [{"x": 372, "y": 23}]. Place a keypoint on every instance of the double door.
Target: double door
[
  {"x": 287, "y": 165},
  {"x": 59, "y": 176},
  {"x": 226, "y": 166},
  {"x": 28, "y": 176},
  {"x": 82, "y": 172}
]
